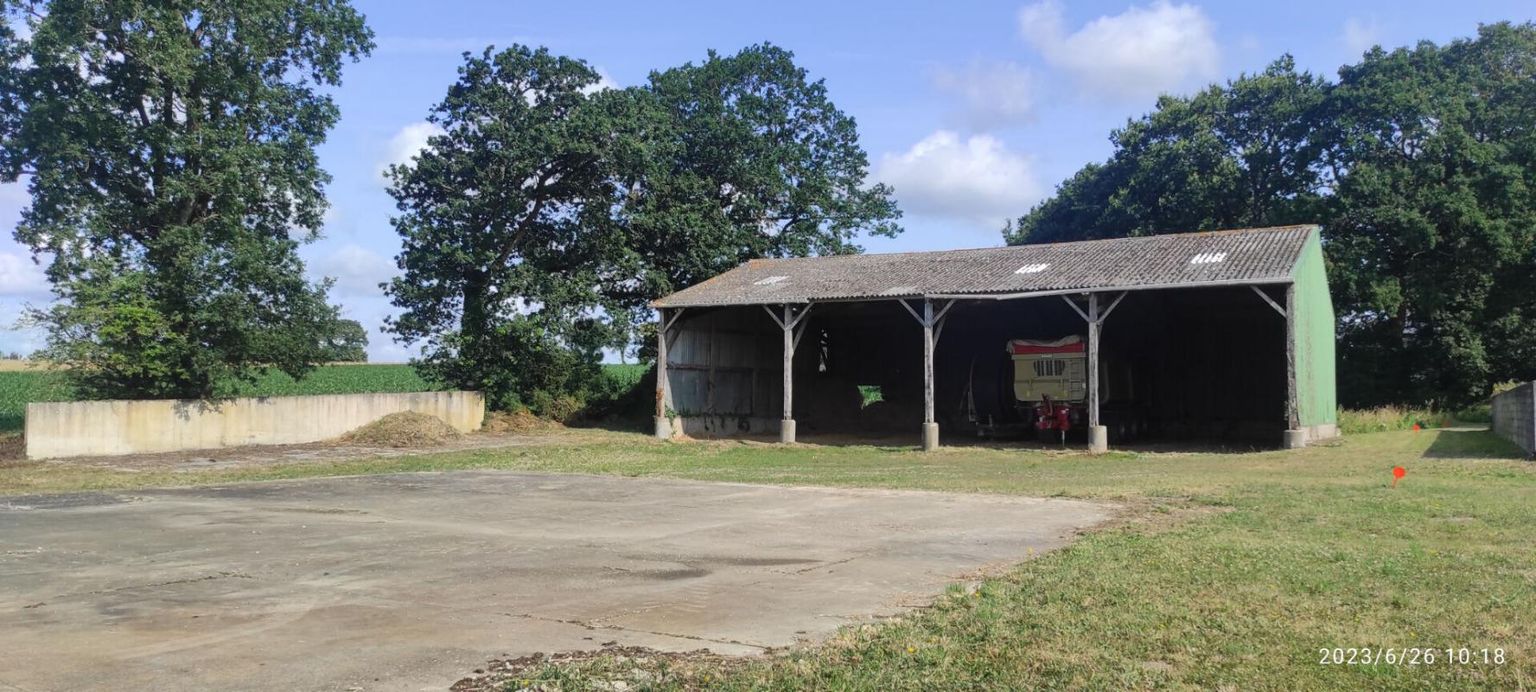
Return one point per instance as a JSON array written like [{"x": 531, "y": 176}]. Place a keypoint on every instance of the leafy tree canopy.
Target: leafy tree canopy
[
  {"x": 498, "y": 217},
  {"x": 1420, "y": 163},
  {"x": 346, "y": 343},
  {"x": 749, "y": 158},
  {"x": 170, "y": 154},
  {"x": 549, "y": 212}
]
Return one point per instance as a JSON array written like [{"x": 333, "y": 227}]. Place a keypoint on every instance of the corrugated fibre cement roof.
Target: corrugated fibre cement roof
[{"x": 1243, "y": 256}]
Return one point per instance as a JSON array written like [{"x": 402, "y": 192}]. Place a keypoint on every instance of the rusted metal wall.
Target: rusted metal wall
[{"x": 1514, "y": 416}]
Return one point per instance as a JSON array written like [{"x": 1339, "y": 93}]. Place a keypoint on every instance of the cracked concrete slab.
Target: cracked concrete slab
[{"x": 411, "y": 581}]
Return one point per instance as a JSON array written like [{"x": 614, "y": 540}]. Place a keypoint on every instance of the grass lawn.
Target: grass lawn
[{"x": 1230, "y": 571}]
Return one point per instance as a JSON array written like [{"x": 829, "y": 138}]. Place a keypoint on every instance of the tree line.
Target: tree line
[
  {"x": 169, "y": 149},
  {"x": 1420, "y": 165}
]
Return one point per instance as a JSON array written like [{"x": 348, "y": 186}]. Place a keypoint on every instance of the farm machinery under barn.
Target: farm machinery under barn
[{"x": 1041, "y": 387}]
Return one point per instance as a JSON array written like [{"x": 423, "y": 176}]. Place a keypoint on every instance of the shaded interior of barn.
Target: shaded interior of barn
[{"x": 1200, "y": 364}]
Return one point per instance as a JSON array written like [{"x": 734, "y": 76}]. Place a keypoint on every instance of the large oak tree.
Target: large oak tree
[
  {"x": 170, "y": 152},
  {"x": 549, "y": 212},
  {"x": 498, "y": 220}
]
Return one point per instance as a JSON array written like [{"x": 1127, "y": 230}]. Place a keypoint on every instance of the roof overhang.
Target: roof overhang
[{"x": 987, "y": 296}]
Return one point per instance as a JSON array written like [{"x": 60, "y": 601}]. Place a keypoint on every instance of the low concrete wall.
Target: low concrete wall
[
  {"x": 104, "y": 428},
  {"x": 1514, "y": 416}
]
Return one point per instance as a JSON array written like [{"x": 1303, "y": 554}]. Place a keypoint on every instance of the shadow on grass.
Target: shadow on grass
[
  {"x": 1467, "y": 443},
  {"x": 898, "y": 442}
]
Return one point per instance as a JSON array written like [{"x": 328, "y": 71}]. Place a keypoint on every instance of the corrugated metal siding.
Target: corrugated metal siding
[
  {"x": 1249, "y": 255},
  {"x": 726, "y": 364},
  {"x": 1316, "y": 388}
]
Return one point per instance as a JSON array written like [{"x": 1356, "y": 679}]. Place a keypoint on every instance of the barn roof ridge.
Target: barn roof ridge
[
  {"x": 1074, "y": 243},
  {"x": 1230, "y": 256}
]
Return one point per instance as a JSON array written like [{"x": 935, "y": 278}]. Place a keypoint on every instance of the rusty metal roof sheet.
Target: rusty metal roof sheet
[{"x": 1251, "y": 256}]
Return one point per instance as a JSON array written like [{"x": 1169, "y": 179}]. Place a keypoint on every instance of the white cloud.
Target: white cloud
[
  {"x": 1141, "y": 52},
  {"x": 995, "y": 94},
  {"x": 20, "y": 276},
  {"x": 976, "y": 179},
  {"x": 1360, "y": 35},
  {"x": 357, "y": 270},
  {"x": 406, "y": 144},
  {"x": 605, "y": 81}
]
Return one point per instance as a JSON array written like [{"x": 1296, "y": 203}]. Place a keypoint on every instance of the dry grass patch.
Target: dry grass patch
[
  {"x": 403, "y": 429},
  {"x": 517, "y": 422}
]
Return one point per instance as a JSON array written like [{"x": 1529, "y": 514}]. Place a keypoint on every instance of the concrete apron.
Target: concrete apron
[{"x": 411, "y": 581}]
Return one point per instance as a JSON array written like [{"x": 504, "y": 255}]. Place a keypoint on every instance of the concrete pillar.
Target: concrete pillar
[
  {"x": 1295, "y": 439},
  {"x": 663, "y": 428},
  {"x": 1098, "y": 439},
  {"x": 930, "y": 436},
  {"x": 787, "y": 431}
]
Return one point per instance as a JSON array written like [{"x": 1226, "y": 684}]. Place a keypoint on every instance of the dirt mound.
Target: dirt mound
[
  {"x": 404, "y": 429},
  {"x": 516, "y": 422}
]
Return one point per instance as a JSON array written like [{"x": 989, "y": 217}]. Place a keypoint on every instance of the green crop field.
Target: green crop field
[{"x": 17, "y": 388}]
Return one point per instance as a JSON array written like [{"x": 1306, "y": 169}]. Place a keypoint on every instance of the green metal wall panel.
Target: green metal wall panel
[{"x": 1316, "y": 396}]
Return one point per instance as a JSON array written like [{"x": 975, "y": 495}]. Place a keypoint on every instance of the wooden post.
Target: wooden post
[
  {"x": 1098, "y": 436},
  {"x": 930, "y": 426},
  {"x": 794, "y": 327},
  {"x": 1094, "y": 327},
  {"x": 927, "y": 361},
  {"x": 933, "y": 328},
  {"x": 787, "y": 424},
  {"x": 1292, "y": 414},
  {"x": 1293, "y": 437},
  {"x": 663, "y": 423}
]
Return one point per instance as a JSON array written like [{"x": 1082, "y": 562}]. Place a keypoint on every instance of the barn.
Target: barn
[{"x": 1222, "y": 336}]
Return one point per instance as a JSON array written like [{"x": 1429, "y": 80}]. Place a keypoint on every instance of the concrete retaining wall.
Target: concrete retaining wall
[
  {"x": 104, "y": 428},
  {"x": 1514, "y": 416}
]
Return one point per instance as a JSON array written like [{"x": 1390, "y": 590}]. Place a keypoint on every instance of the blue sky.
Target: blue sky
[{"x": 972, "y": 111}]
